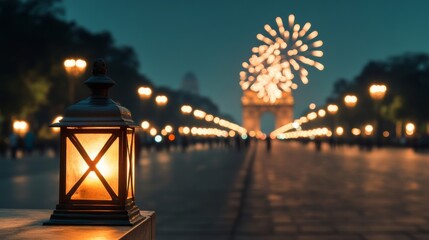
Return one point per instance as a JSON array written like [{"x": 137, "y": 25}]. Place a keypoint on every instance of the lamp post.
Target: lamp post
[
  {"x": 161, "y": 100},
  {"x": 20, "y": 127},
  {"x": 74, "y": 68},
  {"x": 350, "y": 101},
  {"x": 332, "y": 110},
  {"x": 96, "y": 160},
  {"x": 377, "y": 93},
  {"x": 144, "y": 92}
]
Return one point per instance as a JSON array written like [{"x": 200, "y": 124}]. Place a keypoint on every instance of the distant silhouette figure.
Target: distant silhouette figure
[
  {"x": 13, "y": 144},
  {"x": 29, "y": 142},
  {"x": 268, "y": 142}
]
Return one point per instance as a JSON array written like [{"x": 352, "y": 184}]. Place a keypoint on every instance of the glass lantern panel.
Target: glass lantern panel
[
  {"x": 91, "y": 189},
  {"x": 75, "y": 165},
  {"x": 93, "y": 143},
  {"x": 130, "y": 163},
  {"x": 108, "y": 166}
]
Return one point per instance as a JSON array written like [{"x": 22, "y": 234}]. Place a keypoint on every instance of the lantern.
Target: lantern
[{"x": 97, "y": 160}]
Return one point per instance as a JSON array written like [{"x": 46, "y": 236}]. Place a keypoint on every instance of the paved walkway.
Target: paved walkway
[
  {"x": 292, "y": 192},
  {"x": 298, "y": 193}
]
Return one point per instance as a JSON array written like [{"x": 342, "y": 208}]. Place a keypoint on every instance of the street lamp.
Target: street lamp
[
  {"x": 339, "y": 131},
  {"x": 368, "y": 129},
  {"x": 332, "y": 108},
  {"x": 20, "y": 127},
  {"x": 350, "y": 100},
  {"x": 161, "y": 100},
  {"x": 199, "y": 114},
  {"x": 74, "y": 68},
  {"x": 410, "y": 129},
  {"x": 186, "y": 109},
  {"x": 145, "y": 125},
  {"x": 377, "y": 93},
  {"x": 144, "y": 92},
  {"x": 96, "y": 160}
]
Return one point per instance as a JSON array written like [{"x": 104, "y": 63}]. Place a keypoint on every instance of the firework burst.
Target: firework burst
[{"x": 284, "y": 54}]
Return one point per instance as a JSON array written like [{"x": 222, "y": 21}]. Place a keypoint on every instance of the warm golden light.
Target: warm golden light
[
  {"x": 350, "y": 100},
  {"x": 92, "y": 188},
  {"x": 186, "y": 130},
  {"x": 339, "y": 131},
  {"x": 377, "y": 92},
  {"x": 161, "y": 100},
  {"x": 368, "y": 129},
  {"x": 231, "y": 133},
  {"x": 153, "y": 131},
  {"x": 20, "y": 127},
  {"x": 75, "y": 67},
  {"x": 312, "y": 106},
  {"x": 209, "y": 117},
  {"x": 410, "y": 129},
  {"x": 168, "y": 128},
  {"x": 311, "y": 116},
  {"x": 321, "y": 113},
  {"x": 186, "y": 109},
  {"x": 216, "y": 120},
  {"x": 199, "y": 114},
  {"x": 144, "y": 92},
  {"x": 332, "y": 108},
  {"x": 356, "y": 131},
  {"x": 145, "y": 125},
  {"x": 57, "y": 119},
  {"x": 386, "y": 134}
]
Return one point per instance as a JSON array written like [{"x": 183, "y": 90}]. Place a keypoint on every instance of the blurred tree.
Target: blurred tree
[
  {"x": 407, "y": 80},
  {"x": 35, "y": 42}
]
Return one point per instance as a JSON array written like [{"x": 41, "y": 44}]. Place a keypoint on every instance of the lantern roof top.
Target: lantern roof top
[{"x": 98, "y": 109}]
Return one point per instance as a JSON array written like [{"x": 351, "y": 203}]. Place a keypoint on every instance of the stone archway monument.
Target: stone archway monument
[{"x": 254, "y": 108}]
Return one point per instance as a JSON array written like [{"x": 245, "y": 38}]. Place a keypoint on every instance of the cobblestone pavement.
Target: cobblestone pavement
[{"x": 295, "y": 192}]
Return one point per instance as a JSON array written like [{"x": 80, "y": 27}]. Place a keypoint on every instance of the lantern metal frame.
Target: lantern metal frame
[{"x": 98, "y": 114}]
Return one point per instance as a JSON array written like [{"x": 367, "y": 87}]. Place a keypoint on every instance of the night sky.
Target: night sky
[{"x": 212, "y": 38}]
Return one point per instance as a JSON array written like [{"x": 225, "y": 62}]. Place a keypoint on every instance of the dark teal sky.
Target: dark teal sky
[{"x": 213, "y": 37}]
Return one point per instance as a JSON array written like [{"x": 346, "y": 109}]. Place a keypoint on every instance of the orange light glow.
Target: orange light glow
[
  {"x": 57, "y": 119},
  {"x": 171, "y": 137},
  {"x": 75, "y": 67},
  {"x": 161, "y": 100},
  {"x": 350, "y": 100},
  {"x": 356, "y": 131},
  {"x": 186, "y": 109},
  {"x": 332, "y": 108},
  {"x": 409, "y": 129},
  {"x": 144, "y": 92},
  {"x": 20, "y": 127},
  {"x": 368, "y": 129},
  {"x": 145, "y": 125},
  {"x": 377, "y": 92},
  {"x": 339, "y": 131}
]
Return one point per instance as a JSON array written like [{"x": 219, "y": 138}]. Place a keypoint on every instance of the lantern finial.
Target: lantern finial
[
  {"x": 99, "y": 67},
  {"x": 99, "y": 83}
]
